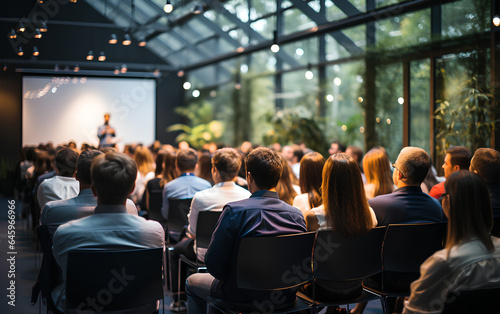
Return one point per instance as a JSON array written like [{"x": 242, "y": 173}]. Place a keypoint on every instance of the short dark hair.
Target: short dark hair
[
  {"x": 65, "y": 162},
  {"x": 84, "y": 163},
  {"x": 265, "y": 166},
  {"x": 186, "y": 159},
  {"x": 228, "y": 163},
  {"x": 298, "y": 152},
  {"x": 113, "y": 176},
  {"x": 460, "y": 156},
  {"x": 341, "y": 146},
  {"x": 486, "y": 162}
]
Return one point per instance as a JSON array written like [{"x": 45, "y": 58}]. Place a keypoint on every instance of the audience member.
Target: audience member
[
  {"x": 298, "y": 153},
  {"x": 113, "y": 179},
  {"x": 263, "y": 214},
  {"x": 345, "y": 210},
  {"x": 204, "y": 167},
  {"x": 59, "y": 212},
  {"x": 63, "y": 185},
  {"x": 145, "y": 172},
  {"x": 430, "y": 180},
  {"x": 154, "y": 184},
  {"x": 457, "y": 158},
  {"x": 286, "y": 188},
  {"x": 311, "y": 167},
  {"x": 226, "y": 163},
  {"x": 471, "y": 257},
  {"x": 187, "y": 184},
  {"x": 378, "y": 174},
  {"x": 486, "y": 163},
  {"x": 336, "y": 147}
]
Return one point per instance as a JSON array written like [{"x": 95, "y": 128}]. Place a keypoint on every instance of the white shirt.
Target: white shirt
[
  {"x": 301, "y": 202},
  {"x": 140, "y": 185},
  {"x": 468, "y": 267},
  {"x": 320, "y": 215},
  {"x": 213, "y": 199},
  {"x": 296, "y": 169},
  {"x": 57, "y": 188}
]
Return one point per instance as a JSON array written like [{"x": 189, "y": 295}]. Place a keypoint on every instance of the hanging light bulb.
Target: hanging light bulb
[
  {"x": 20, "y": 51},
  {"x": 73, "y": 1},
  {"x": 186, "y": 85},
  {"x": 142, "y": 42},
  {"x": 77, "y": 68},
  {"x": 12, "y": 34},
  {"x": 38, "y": 34},
  {"x": 116, "y": 71},
  {"x": 496, "y": 20},
  {"x": 275, "y": 47},
  {"x": 43, "y": 27},
  {"x": 168, "y": 7},
  {"x": 198, "y": 8},
  {"x": 112, "y": 39},
  {"x": 20, "y": 27},
  {"x": 35, "y": 51},
  {"x": 90, "y": 55},
  {"x": 309, "y": 74},
  {"x": 102, "y": 56},
  {"x": 4, "y": 67},
  {"x": 126, "y": 40},
  {"x": 180, "y": 73},
  {"x": 124, "y": 68}
]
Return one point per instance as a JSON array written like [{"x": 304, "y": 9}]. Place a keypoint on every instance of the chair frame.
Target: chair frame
[
  {"x": 116, "y": 280},
  {"x": 177, "y": 219},
  {"x": 279, "y": 254},
  {"x": 347, "y": 259}
]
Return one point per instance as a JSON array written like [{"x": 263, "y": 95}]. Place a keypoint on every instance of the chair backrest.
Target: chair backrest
[
  {"x": 115, "y": 280},
  {"x": 178, "y": 210},
  {"x": 407, "y": 246},
  {"x": 155, "y": 202},
  {"x": 269, "y": 263},
  {"x": 496, "y": 226},
  {"x": 473, "y": 301},
  {"x": 205, "y": 226},
  {"x": 339, "y": 258}
]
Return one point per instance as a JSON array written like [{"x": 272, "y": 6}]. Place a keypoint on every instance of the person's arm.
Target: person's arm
[
  {"x": 429, "y": 292},
  {"x": 312, "y": 223},
  {"x": 193, "y": 217},
  {"x": 218, "y": 256}
]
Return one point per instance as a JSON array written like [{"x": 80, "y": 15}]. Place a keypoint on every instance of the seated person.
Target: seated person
[
  {"x": 263, "y": 214},
  {"x": 471, "y": 257},
  {"x": 486, "y": 163}
]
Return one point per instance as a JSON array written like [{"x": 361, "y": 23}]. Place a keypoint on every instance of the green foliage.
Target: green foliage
[
  {"x": 295, "y": 126},
  {"x": 466, "y": 117},
  {"x": 202, "y": 129}
]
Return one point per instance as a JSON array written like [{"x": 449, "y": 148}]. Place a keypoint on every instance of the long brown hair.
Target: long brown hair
[
  {"x": 169, "y": 172},
  {"x": 285, "y": 189},
  {"x": 144, "y": 160},
  {"x": 346, "y": 208},
  {"x": 470, "y": 214},
  {"x": 311, "y": 167},
  {"x": 377, "y": 171}
]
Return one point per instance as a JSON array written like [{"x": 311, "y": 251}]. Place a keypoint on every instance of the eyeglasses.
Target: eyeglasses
[{"x": 394, "y": 166}]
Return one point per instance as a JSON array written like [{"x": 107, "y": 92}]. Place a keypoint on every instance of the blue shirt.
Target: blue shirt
[
  {"x": 263, "y": 214},
  {"x": 182, "y": 187},
  {"x": 406, "y": 205}
]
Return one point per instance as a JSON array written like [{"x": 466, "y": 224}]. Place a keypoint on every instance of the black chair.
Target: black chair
[
  {"x": 49, "y": 275},
  {"x": 125, "y": 280},
  {"x": 496, "y": 227},
  {"x": 337, "y": 258},
  {"x": 177, "y": 219},
  {"x": 405, "y": 248},
  {"x": 205, "y": 226},
  {"x": 154, "y": 210},
  {"x": 262, "y": 264},
  {"x": 473, "y": 301}
]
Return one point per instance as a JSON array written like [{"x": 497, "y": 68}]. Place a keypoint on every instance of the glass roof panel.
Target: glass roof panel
[
  {"x": 295, "y": 20},
  {"x": 238, "y": 8},
  {"x": 261, "y": 7}
]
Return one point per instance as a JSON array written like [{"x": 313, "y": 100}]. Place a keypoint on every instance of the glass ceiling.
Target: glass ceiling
[{"x": 184, "y": 39}]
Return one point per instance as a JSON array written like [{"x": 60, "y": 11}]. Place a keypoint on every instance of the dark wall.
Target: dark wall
[{"x": 169, "y": 94}]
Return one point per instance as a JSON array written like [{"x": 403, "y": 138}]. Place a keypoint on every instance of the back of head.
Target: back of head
[
  {"x": 186, "y": 159},
  {"x": 160, "y": 158},
  {"x": 311, "y": 167},
  {"x": 228, "y": 163},
  {"x": 65, "y": 162},
  {"x": 113, "y": 177},
  {"x": 486, "y": 162},
  {"x": 298, "y": 152},
  {"x": 469, "y": 209},
  {"x": 460, "y": 156},
  {"x": 344, "y": 199},
  {"x": 265, "y": 166},
  {"x": 84, "y": 163},
  {"x": 413, "y": 163},
  {"x": 355, "y": 151},
  {"x": 205, "y": 166},
  {"x": 377, "y": 171},
  {"x": 169, "y": 172},
  {"x": 285, "y": 189},
  {"x": 144, "y": 160}
]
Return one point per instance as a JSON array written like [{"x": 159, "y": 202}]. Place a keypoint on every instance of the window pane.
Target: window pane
[
  {"x": 420, "y": 109},
  {"x": 404, "y": 30},
  {"x": 465, "y": 17}
]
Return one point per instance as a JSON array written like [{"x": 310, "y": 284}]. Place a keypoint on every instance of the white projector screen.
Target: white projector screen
[{"x": 63, "y": 109}]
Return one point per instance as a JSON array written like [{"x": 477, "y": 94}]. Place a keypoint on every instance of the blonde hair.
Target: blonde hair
[
  {"x": 377, "y": 171},
  {"x": 144, "y": 160}
]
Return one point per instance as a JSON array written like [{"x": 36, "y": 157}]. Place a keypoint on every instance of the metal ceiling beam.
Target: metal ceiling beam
[
  {"x": 347, "y": 7},
  {"x": 319, "y": 19},
  {"x": 216, "y": 5},
  {"x": 91, "y": 64}
]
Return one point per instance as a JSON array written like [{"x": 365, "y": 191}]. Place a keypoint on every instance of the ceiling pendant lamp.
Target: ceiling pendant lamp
[
  {"x": 198, "y": 8},
  {"x": 116, "y": 71},
  {"x": 275, "y": 47},
  {"x": 20, "y": 51},
  {"x": 12, "y": 34},
  {"x": 102, "y": 56},
  {"x": 124, "y": 68},
  {"x": 35, "y": 51},
  {"x": 43, "y": 27},
  {"x": 126, "y": 40},
  {"x": 168, "y": 7},
  {"x": 90, "y": 55},
  {"x": 20, "y": 27},
  {"x": 77, "y": 68},
  {"x": 112, "y": 39},
  {"x": 142, "y": 42},
  {"x": 38, "y": 34}
]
